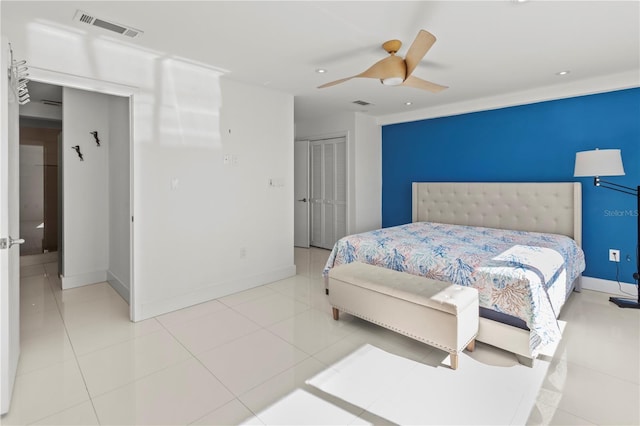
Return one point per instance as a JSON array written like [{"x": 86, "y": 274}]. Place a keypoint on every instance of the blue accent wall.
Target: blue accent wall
[{"x": 529, "y": 143}]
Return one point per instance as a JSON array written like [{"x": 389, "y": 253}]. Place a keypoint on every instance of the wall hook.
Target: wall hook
[
  {"x": 77, "y": 149},
  {"x": 95, "y": 135}
]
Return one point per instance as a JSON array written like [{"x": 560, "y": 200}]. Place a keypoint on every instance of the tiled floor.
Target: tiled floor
[{"x": 273, "y": 354}]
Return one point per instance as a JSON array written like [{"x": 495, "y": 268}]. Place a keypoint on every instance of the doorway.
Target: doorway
[
  {"x": 39, "y": 185},
  {"x": 326, "y": 162},
  {"x": 76, "y": 185}
]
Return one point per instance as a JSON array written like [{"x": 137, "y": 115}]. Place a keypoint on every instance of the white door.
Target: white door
[
  {"x": 328, "y": 193},
  {"x": 9, "y": 227},
  {"x": 301, "y": 194}
]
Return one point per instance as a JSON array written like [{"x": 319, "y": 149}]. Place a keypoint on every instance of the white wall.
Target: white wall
[
  {"x": 85, "y": 188},
  {"x": 364, "y": 145},
  {"x": 368, "y": 173},
  {"x": 213, "y": 228},
  {"x": 202, "y": 229},
  {"x": 118, "y": 146}
]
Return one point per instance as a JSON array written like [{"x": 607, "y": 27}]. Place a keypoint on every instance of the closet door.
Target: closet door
[{"x": 328, "y": 192}]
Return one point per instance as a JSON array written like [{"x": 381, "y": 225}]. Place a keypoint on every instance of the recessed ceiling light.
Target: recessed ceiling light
[
  {"x": 321, "y": 70},
  {"x": 563, "y": 72},
  {"x": 408, "y": 103}
]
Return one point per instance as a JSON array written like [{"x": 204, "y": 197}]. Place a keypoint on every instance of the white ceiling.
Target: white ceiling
[{"x": 484, "y": 48}]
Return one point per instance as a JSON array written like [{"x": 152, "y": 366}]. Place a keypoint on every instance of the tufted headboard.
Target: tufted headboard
[{"x": 551, "y": 207}]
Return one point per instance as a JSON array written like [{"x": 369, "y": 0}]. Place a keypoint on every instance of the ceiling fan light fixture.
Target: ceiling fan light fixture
[{"x": 392, "y": 81}]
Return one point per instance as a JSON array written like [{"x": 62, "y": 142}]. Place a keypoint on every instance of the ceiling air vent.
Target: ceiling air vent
[
  {"x": 107, "y": 25},
  {"x": 363, "y": 103}
]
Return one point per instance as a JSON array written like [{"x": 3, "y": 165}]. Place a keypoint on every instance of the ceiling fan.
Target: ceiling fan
[{"x": 395, "y": 71}]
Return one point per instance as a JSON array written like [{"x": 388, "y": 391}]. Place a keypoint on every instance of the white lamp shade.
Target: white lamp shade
[{"x": 599, "y": 162}]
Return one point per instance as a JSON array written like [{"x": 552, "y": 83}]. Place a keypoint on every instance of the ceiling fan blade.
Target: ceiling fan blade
[
  {"x": 419, "y": 83},
  {"x": 391, "y": 66},
  {"x": 420, "y": 46}
]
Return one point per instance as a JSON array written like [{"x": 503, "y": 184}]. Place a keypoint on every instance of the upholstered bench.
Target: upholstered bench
[{"x": 434, "y": 312}]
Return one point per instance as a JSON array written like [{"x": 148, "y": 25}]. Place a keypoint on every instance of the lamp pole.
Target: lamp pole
[{"x": 621, "y": 302}]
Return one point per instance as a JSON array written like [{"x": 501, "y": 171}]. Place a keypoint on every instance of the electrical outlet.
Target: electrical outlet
[{"x": 614, "y": 255}]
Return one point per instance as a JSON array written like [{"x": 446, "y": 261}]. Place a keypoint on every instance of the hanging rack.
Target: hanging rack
[{"x": 18, "y": 78}]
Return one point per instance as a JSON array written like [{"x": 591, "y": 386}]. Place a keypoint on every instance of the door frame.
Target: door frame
[
  {"x": 298, "y": 241},
  {"x": 108, "y": 88}
]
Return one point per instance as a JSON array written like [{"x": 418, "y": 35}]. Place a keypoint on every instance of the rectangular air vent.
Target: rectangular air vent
[
  {"x": 363, "y": 103},
  {"x": 50, "y": 102},
  {"x": 85, "y": 18}
]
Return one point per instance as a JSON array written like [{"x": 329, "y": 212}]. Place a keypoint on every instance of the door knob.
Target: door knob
[
  {"x": 16, "y": 241},
  {"x": 304, "y": 200},
  {"x": 8, "y": 242}
]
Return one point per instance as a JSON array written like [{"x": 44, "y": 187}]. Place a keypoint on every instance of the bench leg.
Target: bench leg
[
  {"x": 336, "y": 314},
  {"x": 454, "y": 361},
  {"x": 471, "y": 346}
]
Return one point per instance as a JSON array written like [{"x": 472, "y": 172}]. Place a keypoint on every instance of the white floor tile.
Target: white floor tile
[
  {"x": 34, "y": 300},
  {"x": 46, "y": 391},
  {"x": 232, "y": 413},
  {"x": 80, "y": 415},
  {"x": 312, "y": 330},
  {"x": 44, "y": 350},
  {"x": 549, "y": 415},
  {"x": 390, "y": 341},
  {"x": 601, "y": 336},
  {"x": 263, "y": 396},
  {"x": 35, "y": 324},
  {"x": 86, "y": 293},
  {"x": 246, "y": 296},
  {"x": 87, "y": 313},
  {"x": 32, "y": 270},
  {"x": 310, "y": 291},
  {"x": 304, "y": 408},
  {"x": 38, "y": 259},
  {"x": 107, "y": 332},
  {"x": 597, "y": 397},
  {"x": 122, "y": 363},
  {"x": 250, "y": 360},
  {"x": 180, "y": 394},
  {"x": 270, "y": 309},
  {"x": 363, "y": 377},
  {"x": 191, "y": 313},
  {"x": 213, "y": 330}
]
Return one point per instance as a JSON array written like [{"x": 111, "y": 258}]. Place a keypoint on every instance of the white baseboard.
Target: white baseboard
[
  {"x": 608, "y": 286},
  {"x": 119, "y": 286},
  {"x": 212, "y": 291},
  {"x": 80, "y": 280}
]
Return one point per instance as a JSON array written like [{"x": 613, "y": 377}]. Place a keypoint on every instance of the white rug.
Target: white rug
[{"x": 402, "y": 391}]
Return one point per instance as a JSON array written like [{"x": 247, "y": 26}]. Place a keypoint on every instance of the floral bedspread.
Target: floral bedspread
[{"x": 524, "y": 274}]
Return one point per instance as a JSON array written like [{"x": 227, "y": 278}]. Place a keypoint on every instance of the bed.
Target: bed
[{"x": 517, "y": 243}]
